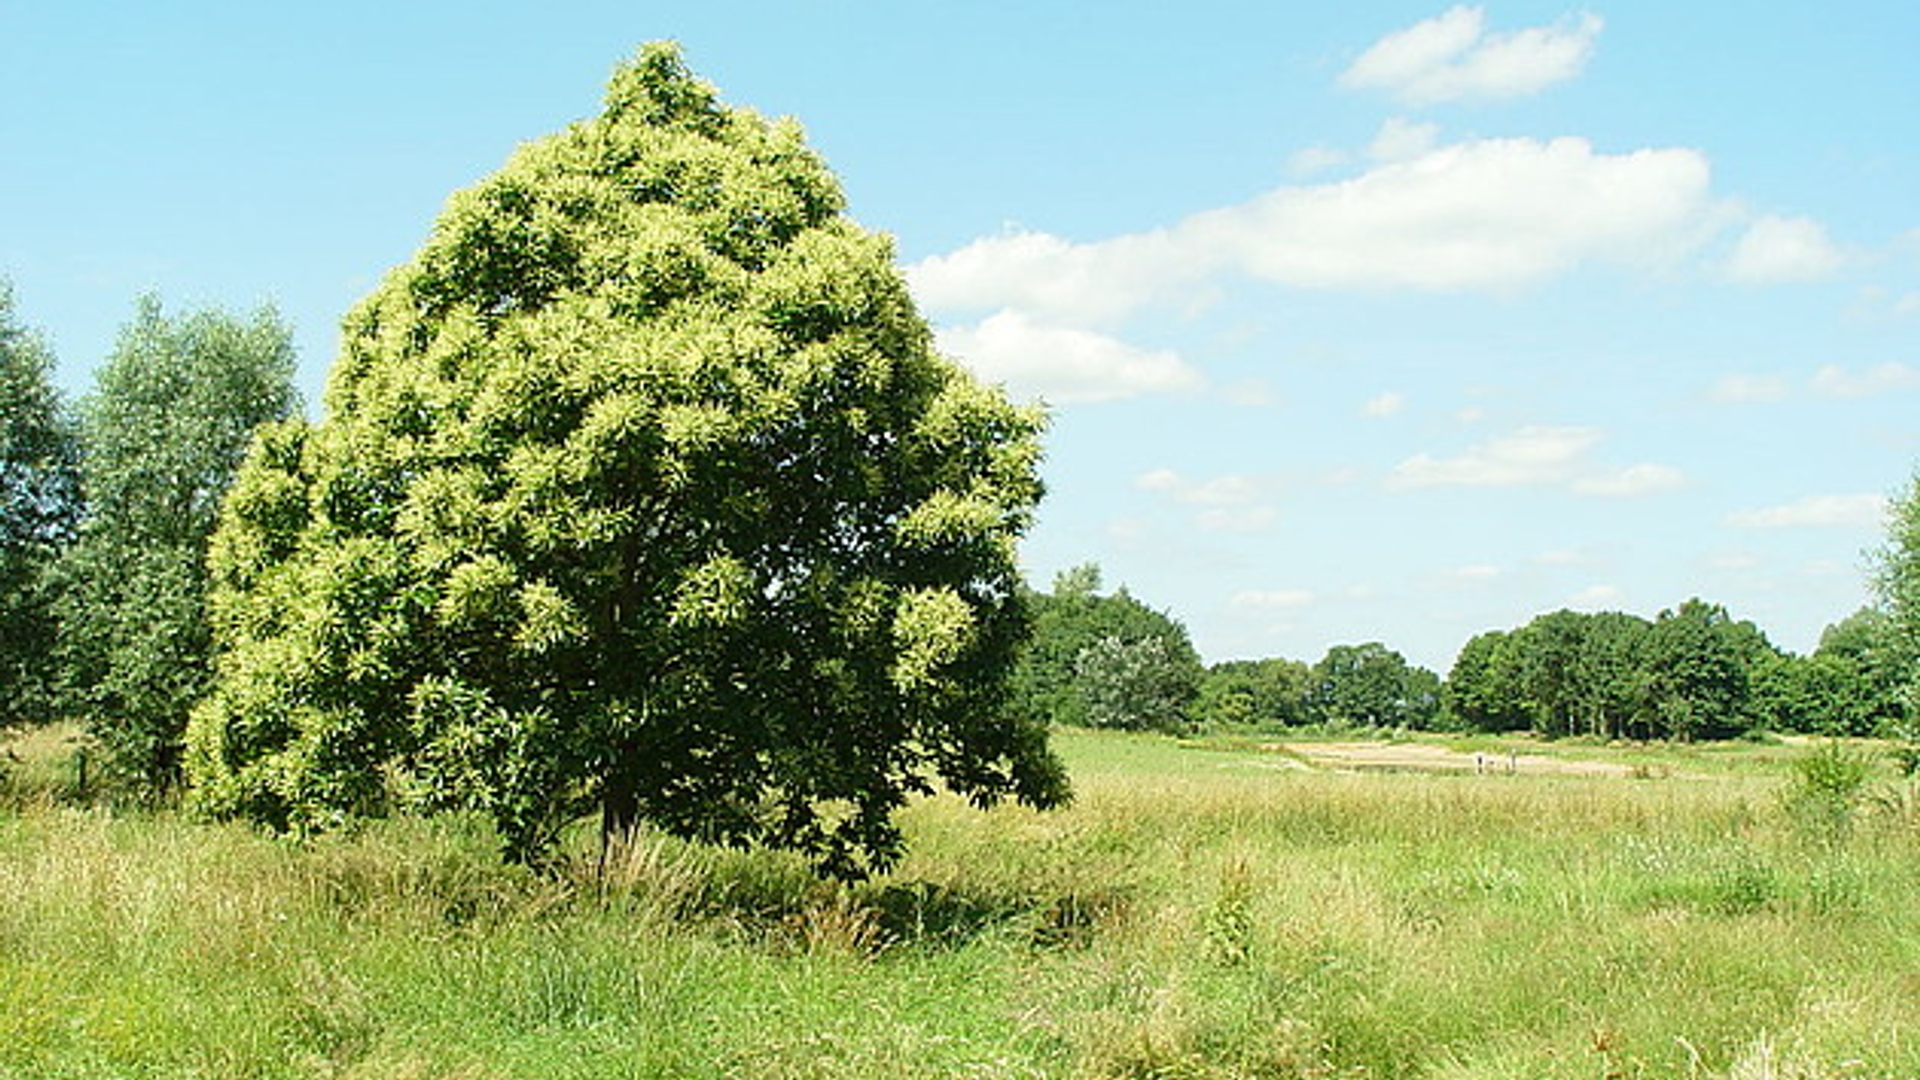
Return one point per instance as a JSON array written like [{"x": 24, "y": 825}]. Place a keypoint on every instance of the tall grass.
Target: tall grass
[{"x": 1197, "y": 913}]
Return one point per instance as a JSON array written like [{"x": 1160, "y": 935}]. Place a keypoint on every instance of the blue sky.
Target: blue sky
[{"x": 1397, "y": 321}]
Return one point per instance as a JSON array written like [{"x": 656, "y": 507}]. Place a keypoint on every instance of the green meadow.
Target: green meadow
[{"x": 1203, "y": 909}]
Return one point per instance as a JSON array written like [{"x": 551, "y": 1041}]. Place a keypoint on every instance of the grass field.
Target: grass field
[{"x": 1209, "y": 910}]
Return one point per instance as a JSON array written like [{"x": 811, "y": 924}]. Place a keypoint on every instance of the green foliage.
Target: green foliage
[
  {"x": 1144, "y": 684},
  {"x": 1481, "y": 691},
  {"x": 1853, "y": 684},
  {"x": 641, "y": 490},
  {"x": 1897, "y": 581},
  {"x": 1371, "y": 686},
  {"x": 1259, "y": 695},
  {"x": 1105, "y": 660},
  {"x": 1829, "y": 784},
  {"x": 163, "y": 432},
  {"x": 1582, "y": 674},
  {"x": 39, "y": 508},
  {"x": 1697, "y": 663},
  {"x": 1691, "y": 673}
]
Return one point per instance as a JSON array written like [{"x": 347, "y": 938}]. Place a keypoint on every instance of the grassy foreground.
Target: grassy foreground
[{"x": 1200, "y": 912}]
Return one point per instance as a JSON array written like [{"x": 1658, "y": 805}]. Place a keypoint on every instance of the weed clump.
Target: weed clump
[{"x": 1828, "y": 788}]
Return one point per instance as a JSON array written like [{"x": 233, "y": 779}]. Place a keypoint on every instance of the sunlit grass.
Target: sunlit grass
[{"x": 1200, "y": 911}]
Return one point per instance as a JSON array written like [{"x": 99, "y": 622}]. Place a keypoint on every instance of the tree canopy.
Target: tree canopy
[
  {"x": 1105, "y": 660},
  {"x": 641, "y": 489},
  {"x": 1370, "y": 685},
  {"x": 164, "y": 430},
  {"x": 39, "y": 508}
]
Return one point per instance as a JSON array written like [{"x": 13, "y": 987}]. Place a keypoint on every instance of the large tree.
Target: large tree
[
  {"x": 1698, "y": 664},
  {"x": 1483, "y": 689},
  {"x": 1370, "y": 685},
  {"x": 163, "y": 432},
  {"x": 1257, "y": 694},
  {"x": 39, "y": 507},
  {"x": 641, "y": 490},
  {"x": 1105, "y": 659}
]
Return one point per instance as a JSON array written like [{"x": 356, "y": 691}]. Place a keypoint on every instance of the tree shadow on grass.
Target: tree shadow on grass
[{"x": 926, "y": 915}]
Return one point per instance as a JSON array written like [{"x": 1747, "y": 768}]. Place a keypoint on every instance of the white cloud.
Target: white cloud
[
  {"x": 1230, "y": 503},
  {"x": 1451, "y": 57},
  {"x": 1536, "y": 456},
  {"x": 1385, "y": 405},
  {"x": 1596, "y": 597},
  {"x": 1229, "y": 490},
  {"x": 1891, "y": 377},
  {"x": 1482, "y": 214},
  {"x": 1268, "y": 599},
  {"x": 1532, "y": 455},
  {"x": 1630, "y": 482},
  {"x": 1831, "y": 380},
  {"x": 1816, "y": 512},
  {"x": 1475, "y": 574},
  {"x": 1748, "y": 389},
  {"x": 1043, "y": 273},
  {"x": 1315, "y": 160},
  {"x": 1064, "y": 364},
  {"x": 1402, "y": 140},
  {"x": 1777, "y": 249}
]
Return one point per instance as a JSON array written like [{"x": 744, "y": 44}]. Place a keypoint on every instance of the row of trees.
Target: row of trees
[
  {"x": 1108, "y": 660},
  {"x": 108, "y": 506},
  {"x": 1692, "y": 672}
]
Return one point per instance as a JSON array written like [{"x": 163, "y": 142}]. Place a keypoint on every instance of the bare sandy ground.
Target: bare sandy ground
[{"x": 1414, "y": 757}]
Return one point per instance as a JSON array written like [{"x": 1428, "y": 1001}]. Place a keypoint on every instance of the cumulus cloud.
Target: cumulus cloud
[
  {"x": 1229, "y": 490},
  {"x": 1064, "y": 364},
  {"x": 1315, "y": 160},
  {"x": 1452, "y": 57},
  {"x": 1748, "y": 389},
  {"x": 1596, "y": 597},
  {"x": 1891, "y": 377},
  {"x": 1777, "y": 250},
  {"x": 1483, "y": 214},
  {"x": 1829, "y": 381},
  {"x": 1531, "y": 456},
  {"x": 1537, "y": 456},
  {"x": 1039, "y": 272},
  {"x": 1402, "y": 140},
  {"x": 1816, "y": 512},
  {"x": 1230, "y": 503},
  {"x": 1630, "y": 482}
]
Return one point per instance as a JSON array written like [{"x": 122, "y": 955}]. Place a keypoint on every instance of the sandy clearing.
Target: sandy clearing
[{"x": 1416, "y": 757}]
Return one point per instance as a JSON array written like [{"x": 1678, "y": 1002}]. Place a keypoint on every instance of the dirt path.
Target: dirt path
[{"x": 1415, "y": 757}]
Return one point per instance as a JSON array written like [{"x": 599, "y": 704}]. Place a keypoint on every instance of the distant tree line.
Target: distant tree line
[{"x": 1692, "y": 672}]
